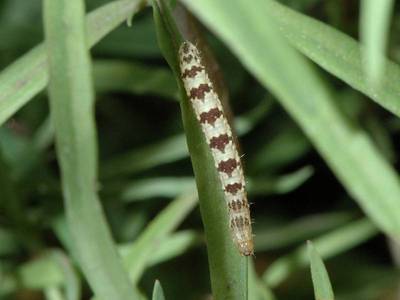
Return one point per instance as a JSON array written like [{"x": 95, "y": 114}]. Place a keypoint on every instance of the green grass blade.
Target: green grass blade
[
  {"x": 40, "y": 273},
  {"x": 156, "y": 187},
  {"x": 279, "y": 184},
  {"x": 320, "y": 278},
  {"x": 336, "y": 52},
  {"x": 137, "y": 256},
  {"x": 228, "y": 270},
  {"x": 114, "y": 75},
  {"x": 51, "y": 269},
  {"x": 71, "y": 280},
  {"x": 169, "y": 150},
  {"x": 375, "y": 19},
  {"x": 48, "y": 270},
  {"x": 329, "y": 245},
  {"x": 175, "y": 245},
  {"x": 158, "y": 293},
  {"x": 346, "y": 148},
  {"x": 72, "y": 113},
  {"x": 27, "y": 76},
  {"x": 288, "y": 234},
  {"x": 257, "y": 289},
  {"x": 286, "y": 146},
  {"x": 53, "y": 293}
]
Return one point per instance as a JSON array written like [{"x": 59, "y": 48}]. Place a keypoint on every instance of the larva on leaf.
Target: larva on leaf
[{"x": 218, "y": 134}]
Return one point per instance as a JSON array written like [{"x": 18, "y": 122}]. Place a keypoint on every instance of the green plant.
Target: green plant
[{"x": 114, "y": 144}]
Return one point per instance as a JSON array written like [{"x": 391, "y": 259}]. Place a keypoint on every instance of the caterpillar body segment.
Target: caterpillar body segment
[{"x": 218, "y": 134}]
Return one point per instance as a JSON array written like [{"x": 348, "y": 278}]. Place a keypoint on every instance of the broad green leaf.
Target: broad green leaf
[
  {"x": 71, "y": 97},
  {"x": 375, "y": 19},
  {"x": 357, "y": 163},
  {"x": 158, "y": 293},
  {"x": 228, "y": 270},
  {"x": 336, "y": 52},
  {"x": 320, "y": 277},
  {"x": 27, "y": 76},
  {"x": 330, "y": 244}
]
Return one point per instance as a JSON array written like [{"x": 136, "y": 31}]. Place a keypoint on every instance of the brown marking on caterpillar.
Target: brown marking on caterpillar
[
  {"x": 232, "y": 223},
  {"x": 239, "y": 204},
  {"x": 199, "y": 92},
  {"x": 239, "y": 222},
  {"x": 220, "y": 142},
  {"x": 245, "y": 204},
  {"x": 228, "y": 166},
  {"x": 233, "y": 188},
  {"x": 227, "y": 160},
  {"x": 210, "y": 116},
  {"x": 188, "y": 59},
  {"x": 233, "y": 205},
  {"x": 185, "y": 48},
  {"x": 192, "y": 72}
]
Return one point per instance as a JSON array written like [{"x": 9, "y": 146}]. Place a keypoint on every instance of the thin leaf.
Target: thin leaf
[
  {"x": 175, "y": 245},
  {"x": 329, "y": 245},
  {"x": 27, "y": 76},
  {"x": 228, "y": 269},
  {"x": 138, "y": 255},
  {"x": 169, "y": 150},
  {"x": 322, "y": 285},
  {"x": 156, "y": 187},
  {"x": 71, "y": 108},
  {"x": 158, "y": 293},
  {"x": 336, "y": 52},
  {"x": 287, "y": 234},
  {"x": 71, "y": 279},
  {"x": 245, "y": 123},
  {"x": 374, "y": 28},
  {"x": 346, "y": 148},
  {"x": 51, "y": 269},
  {"x": 46, "y": 271},
  {"x": 112, "y": 75},
  {"x": 53, "y": 293},
  {"x": 280, "y": 184},
  {"x": 287, "y": 145},
  {"x": 41, "y": 273},
  {"x": 257, "y": 290}
]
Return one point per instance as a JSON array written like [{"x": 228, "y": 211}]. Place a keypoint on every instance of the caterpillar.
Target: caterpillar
[{"x": 218, "y": 134}]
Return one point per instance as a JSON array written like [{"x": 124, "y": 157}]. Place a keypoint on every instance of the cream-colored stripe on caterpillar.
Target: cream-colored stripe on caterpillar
[{"x": 209, "y": 112}]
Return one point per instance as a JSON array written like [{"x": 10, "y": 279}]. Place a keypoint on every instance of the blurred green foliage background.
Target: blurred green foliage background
[{"x": 144, "y": 164}]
